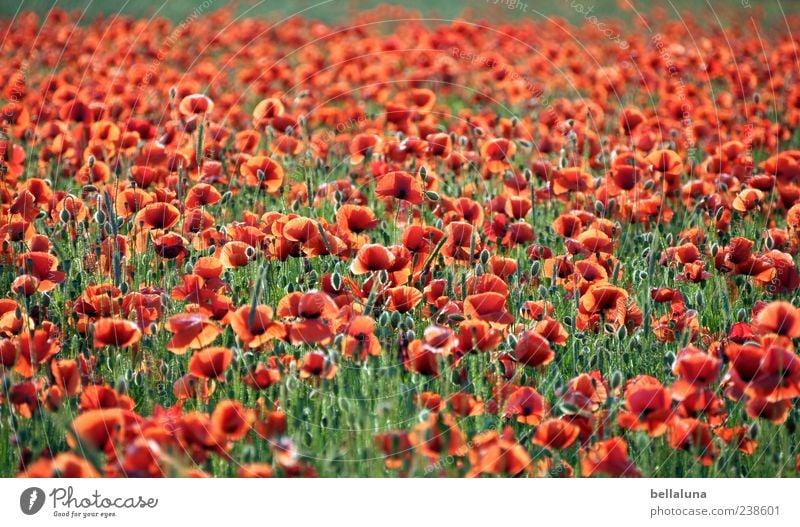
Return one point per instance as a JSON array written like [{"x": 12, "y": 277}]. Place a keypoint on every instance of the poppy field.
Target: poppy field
[{"x": 392, "y": 246}]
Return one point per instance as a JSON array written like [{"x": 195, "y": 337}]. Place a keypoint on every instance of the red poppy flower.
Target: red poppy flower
[
  {"x": 255, "y": 327},
  {"x": 608, "y": 457},
  {"x": 191, "y": 331},
  {"x": 115, "y": 332},
  {"x": 264, "y": 172},
  {"x": 527, "y": 405},
  {"x": 400, "y": 185},
  {"x": 210, "y": 363},
  {"x": 556, "y": 434}
]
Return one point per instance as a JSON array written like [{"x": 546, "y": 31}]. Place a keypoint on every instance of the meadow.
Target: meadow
[{"x": 388, "y": 247}]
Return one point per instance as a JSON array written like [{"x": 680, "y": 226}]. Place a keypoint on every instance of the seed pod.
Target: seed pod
[
  {"x": 395, "y": 318},
  {"x": 616, "y": 380},
  {"x": 511, "y": 341}
]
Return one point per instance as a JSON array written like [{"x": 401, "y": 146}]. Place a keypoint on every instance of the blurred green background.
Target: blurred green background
[{"x": 729, "y": 11}]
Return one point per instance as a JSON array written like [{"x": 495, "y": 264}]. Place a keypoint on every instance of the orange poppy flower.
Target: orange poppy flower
[
  {"x": 781, "y": 318},
  {"x": 97, "y": 429},
  {"x": 534, "y": 350},
  {"x": 396, "y": 448},
  {"x": 267, "y": 109},
  {"x": 437, "y": 436},
  {"x": 316, "y": 310},
  {"x": 66, "y": 375},
  {"x": 230, "y": 420},
  {"x": 115, "y": 332},
  {"x": 210, "y": 363},
  {"x": 360, "y": 339},
  {"x": 44, "y": 268},
  {"x": 556, "y": 434},
  {"x": 693, "y": 436},
  {"x": 648, "y": 407},
  {"x": 317, "y": 364},
  {"x": 608, "y": 457},
  {"x": 264, "y": 172},
  {"x": 372, "y": 257},
  {"x": 489, "y": 307},
  {"x": 255, "y": 327},
  {"x": 201, "y": 195},
  {"x": 495, "y": 454},
  {"x": 400, "y": 185},
  {"x": 235, "y": 254},
  {"x": 262, "y": 377},
  {"x": 191, "y": 331},
  {"x": 403, "y": 298},
  {"x": 527, "y": 405},
  {"x": 195, "y": 104},
  {"x": 158, "y": 216}
]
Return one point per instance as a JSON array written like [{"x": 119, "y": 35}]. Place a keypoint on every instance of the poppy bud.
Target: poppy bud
[
  {"x": 423, "y": 172},
  {"x": 535, "y": 268},
  {"x": 455, "y": 317},
  {"x": 383, "y": 320},
  {"x": 64, "y": 215},
  {"x": 698, "y": 298},
  {"x": 87, "y": 189},
  {"x": 410, "y": 335},
  {"x": 431, "y": 195},
  {"x": 572, "y": 137},
  {"x": 173, "y": 92},
  {"x": 121, "y": 386},
  {"x": 599, "y": 207},
  {"x": 478, "y": 131},
  {"x": 616, "y": 380},
  {"x": 753, "y": 430},
  {"x": 313, "y": 276},
  {"x": 395, "y": 318},
  {"x": 756, "y": 97},
  {"x": 741, "y": 315},
  {"x": 525, "y": 144},
  {"x": 226, "y": 196},
  {"x": 669, "y": 358},
  {"x": 336, "y": 281},
  {"x": 568, "y": 408},
  {"x": 543, "y": 292},
  {"x": 622, "y": 332},
  {"x": 769, "y": 242},
  {"x": 409, "y": 323},
  {"x": 99, "y": 216},
  {"x": 511, "y": 341}
]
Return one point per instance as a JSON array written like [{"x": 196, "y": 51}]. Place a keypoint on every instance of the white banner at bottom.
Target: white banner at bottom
[{"x": 400, "y": 502}]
